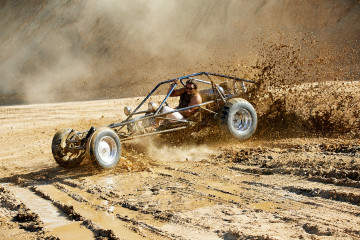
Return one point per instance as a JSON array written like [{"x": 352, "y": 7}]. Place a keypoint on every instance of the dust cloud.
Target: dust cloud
[
  {"x": 157, "y": 150},
  {"x": 83, "y": 50},
  {"x": 182, "y": 153}
]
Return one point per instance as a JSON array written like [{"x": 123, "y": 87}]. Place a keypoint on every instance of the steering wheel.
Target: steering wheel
[{"x": 182, "y": 82}]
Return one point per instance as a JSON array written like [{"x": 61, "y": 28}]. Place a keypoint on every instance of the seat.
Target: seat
[{"x": 208, "y": 94}]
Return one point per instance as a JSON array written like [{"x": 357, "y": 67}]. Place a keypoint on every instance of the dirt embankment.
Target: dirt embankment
[{"x": 85, "y": 50}]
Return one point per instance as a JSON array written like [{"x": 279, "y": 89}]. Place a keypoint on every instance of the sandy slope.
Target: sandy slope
[{"x": 86, "y": 50}]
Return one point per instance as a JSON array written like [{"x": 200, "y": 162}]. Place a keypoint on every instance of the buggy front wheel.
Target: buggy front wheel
[{"x": 104, "y": 147}]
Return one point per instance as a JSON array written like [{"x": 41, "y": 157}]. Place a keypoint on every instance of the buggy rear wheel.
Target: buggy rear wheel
[
  {"x": 104, "y": 148},
  {"x": 63, "y": 155},
  {"x": 238, "y": 117}
]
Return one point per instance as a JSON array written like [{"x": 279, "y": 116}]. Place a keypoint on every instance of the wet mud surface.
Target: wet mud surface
[{"x": 268, "y": 187}]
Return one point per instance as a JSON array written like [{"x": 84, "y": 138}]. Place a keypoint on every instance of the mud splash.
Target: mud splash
[
  {"x": 158, "y": 149},
  {"x": 181, "y": 153},
  {"x": 305, "y": 85}
]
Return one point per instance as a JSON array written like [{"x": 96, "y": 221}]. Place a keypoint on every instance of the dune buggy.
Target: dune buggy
[{"x": 221, "y": 106}]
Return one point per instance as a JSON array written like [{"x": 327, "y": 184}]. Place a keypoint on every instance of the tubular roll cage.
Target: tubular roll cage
[{"x": 219, "y": 97}]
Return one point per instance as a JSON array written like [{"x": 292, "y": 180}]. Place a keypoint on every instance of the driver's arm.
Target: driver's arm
[{"x": 176, "y": 92}]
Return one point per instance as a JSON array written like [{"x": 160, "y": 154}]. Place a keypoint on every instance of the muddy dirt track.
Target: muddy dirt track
[
  {"x": 298, "y": 177},
  {"x": 265, "y": 188}
]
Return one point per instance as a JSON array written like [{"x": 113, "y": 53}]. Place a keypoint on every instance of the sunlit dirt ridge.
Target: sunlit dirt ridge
[{"x": 83, "y": 50}]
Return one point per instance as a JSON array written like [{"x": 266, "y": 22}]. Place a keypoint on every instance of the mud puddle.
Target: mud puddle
[
  {"x": 55, "y": 220},
  {"x": 112, "y": 205},
  {"x": 100, "y": 218},
  {"x": 225, "y": 187}
]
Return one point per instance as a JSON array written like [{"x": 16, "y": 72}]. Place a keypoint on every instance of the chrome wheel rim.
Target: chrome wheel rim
[
  {"x": 242, "y": 120},
  {"x": 107, "y": 149}
]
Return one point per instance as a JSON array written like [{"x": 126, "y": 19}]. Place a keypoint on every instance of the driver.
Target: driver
[{"x": 189, "y": 96}]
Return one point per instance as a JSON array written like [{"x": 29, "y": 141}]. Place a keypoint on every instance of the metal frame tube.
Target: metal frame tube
[
  {"x": 235, "y": 78},
  {"x": 126, "y": 121},
  {"x": 171, "y": 119},
  {"x": 114, "y": 125},
  {"x": 153, "y": 133},
  {"x": 208, "y": 110},
  {"x": 199, "y": 80},
  {"x": 166, "y": 97},
  {"x": 215, "y": 88},
  {"x": 184, "y": 77}
]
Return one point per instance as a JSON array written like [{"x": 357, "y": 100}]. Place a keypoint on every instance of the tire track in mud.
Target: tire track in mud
[
  {"x": 325, "y": 208},
  {"x": 74, "y": 194},
  {"x": 154, "y": 220},
  {"x": 236, "y": 194},
  {"x": 335, "y": 194},
  {"x": 75, "y": 207},
  {"x": 12, "y": 209},
  {"x": 310, "y": 174},
  {"x": 123, "y": 210},
  {"x": 312, "y": 224},
  {"x": 319, "y": 198},
  {"x": 330, "y": 164},
  {"x": 55, "y": 217},
  {"x": 101, "y": 220}
]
